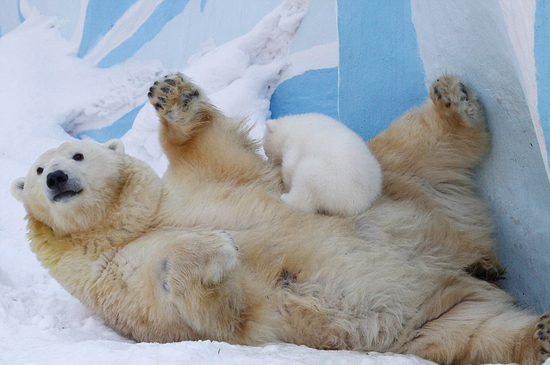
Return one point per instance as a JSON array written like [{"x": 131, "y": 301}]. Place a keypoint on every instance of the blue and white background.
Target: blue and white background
[{"x": 81, "y": 69}]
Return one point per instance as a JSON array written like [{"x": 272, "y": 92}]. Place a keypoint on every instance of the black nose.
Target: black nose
[{"x": 56, "y": 179}]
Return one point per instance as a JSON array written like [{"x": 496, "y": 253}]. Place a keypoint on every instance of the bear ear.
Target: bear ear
[
  {"x": 115, "y": 145},
  {"x": 270, "y": 126},
  {"x": 17, "y": 187}
]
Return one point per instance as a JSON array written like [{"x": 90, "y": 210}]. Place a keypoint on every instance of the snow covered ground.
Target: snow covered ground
[{"x": 48, "y": 96}]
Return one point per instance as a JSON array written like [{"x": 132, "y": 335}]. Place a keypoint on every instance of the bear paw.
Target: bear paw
[
  {"x": 448, "y": 93},
  {"x": 542, "y": 337},
  {"x": 174, "y": 97},
  {"x": 224, "y": 260}
]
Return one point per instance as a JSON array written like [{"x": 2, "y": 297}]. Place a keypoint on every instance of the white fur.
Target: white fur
[{"x": 326, "y": 167}]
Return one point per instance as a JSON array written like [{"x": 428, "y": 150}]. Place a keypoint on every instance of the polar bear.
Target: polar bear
[
  {"x": 325, "y": 166},
  {"x": 210, "y": 252}
]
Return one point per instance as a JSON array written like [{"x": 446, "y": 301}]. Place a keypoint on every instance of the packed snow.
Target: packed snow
[{"x": 47, "y": 96}]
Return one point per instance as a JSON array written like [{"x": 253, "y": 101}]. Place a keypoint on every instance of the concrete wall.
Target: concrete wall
[{"x": 366, "y": 62}]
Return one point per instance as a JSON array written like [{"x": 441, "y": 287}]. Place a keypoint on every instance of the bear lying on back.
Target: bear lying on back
[
  {"x": 326, "y": 167},
  {"x": 157, "y": 259}
]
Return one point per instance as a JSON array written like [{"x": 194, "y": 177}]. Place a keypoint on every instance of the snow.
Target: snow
[{"x": 48, "y": 95}]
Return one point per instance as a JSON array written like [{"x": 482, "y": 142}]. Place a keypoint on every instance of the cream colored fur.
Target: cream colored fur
[
  {"x": 158, "y": 259},
  {"x": 325, "y": 166}
]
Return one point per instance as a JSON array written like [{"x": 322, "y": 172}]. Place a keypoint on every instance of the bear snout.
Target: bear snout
[
  {"x": 60, "y": 187},
  {"x": 56, "y": 179}
]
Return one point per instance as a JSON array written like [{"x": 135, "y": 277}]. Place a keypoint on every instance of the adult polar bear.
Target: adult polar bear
[{"x": 150, "y": 256}]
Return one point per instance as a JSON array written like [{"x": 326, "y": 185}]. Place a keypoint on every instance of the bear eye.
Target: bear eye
[
  {"x": 78, "y": 157},
  {"x": 39, "y": 170}
]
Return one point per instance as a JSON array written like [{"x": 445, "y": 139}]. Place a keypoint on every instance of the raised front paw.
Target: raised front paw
[
  {"x": 174, "y": 97},
  {"x": 448, "y": 93},
  {"x": 542, "y": 337},
  {"x": 223, "y": 260}
]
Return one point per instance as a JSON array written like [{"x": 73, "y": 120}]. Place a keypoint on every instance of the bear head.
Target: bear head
[{"x": 70, "y": 188}]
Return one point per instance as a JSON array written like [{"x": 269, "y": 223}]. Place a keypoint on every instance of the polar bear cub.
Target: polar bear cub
[{"x": 326, "y": 167}]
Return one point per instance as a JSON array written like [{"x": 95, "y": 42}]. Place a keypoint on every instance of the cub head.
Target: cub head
[{"x": 70, "y": 188}]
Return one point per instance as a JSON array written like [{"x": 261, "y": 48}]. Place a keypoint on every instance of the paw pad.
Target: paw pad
[
  {"x": 542, "y": 336},
  {"x": 449, "y": 93},
  {"x": 172, "y": 94},
  {"x": 464, "y": 91},
  {"x": 438, "y": 93}
]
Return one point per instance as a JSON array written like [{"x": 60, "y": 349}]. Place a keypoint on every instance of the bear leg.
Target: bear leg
[
  {"x": 198, "y": 139},
  {"x": 218, "y": 256},
  {"x": 428, "y": 156},
  {"x": 480, "y": 324}
]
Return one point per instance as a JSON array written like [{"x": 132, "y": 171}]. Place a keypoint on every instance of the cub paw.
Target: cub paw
[
  {"x": 174, "y": 96},
  {"x": 302, "y": 202},
  {"x": 542, "y": 337},
  {"x": 448, "y": 93},
  {"x": 223, "y": 260},
  {"x": 285, "y": 198}
]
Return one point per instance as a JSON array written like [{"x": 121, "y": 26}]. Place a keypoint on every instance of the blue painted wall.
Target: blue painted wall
[
  {"x": 19, "y": 13},
  {"x": 167, "y": 10},
  {"x": 200, "y": 23},
  {"x": 381, "y": 73},
  {"x": 116, "y": 130},
  {"x": 101, "y": 15},
  {"x": 313, "y": 91},
  {"x": 9, "y": 17},
  {"x": 67, "y": 11}
]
